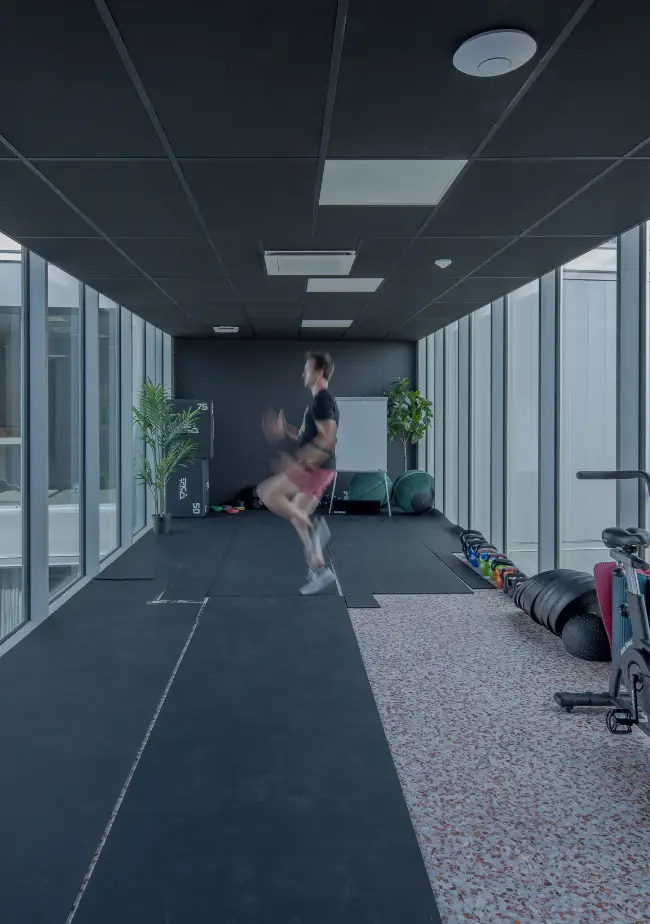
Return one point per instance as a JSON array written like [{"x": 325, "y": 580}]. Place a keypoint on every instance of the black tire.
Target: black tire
[
  {"x": 565, "y": 598},
  {"x": 556, "y": 580},
  {"x": 584, "y": 637},
  {"x": 531, "y": 591},
  {"x": 584, "y": 600}
]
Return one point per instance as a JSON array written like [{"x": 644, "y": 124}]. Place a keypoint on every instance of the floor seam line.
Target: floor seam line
[{"x": 131, "y": 773}]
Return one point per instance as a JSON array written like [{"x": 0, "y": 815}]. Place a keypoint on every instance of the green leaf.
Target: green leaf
[
  {"x": 167, "y": 436},
  {"x": 410, "y": 415}
]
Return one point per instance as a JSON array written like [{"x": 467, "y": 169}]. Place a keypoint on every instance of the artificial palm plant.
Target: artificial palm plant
[{"x": 168, "y": 444}]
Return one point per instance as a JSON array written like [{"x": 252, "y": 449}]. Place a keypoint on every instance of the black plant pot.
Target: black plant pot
[{"x": 161, "y": 523}]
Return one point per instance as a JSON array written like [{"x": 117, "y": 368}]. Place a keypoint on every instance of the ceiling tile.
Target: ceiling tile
[
  {"x": 592, "y": 97},
  {"x": 70, "y": 104},
  {"x": 465, "y": 253},
  {"x": 535, "y": 256},
  {"x": 227, "y": 314},
  {"x": 233, "y": 80},
  {"x": 29, "y": 208},
  {"x": 398, "y": 92},
  {"x": 615, "y": 203},
  {"x": 196, "y": 291},
  {"x": 177, "y": 257},
  {"x": 332, "y": 312},
  {"x": 376, "y": 256},
  {"x": 481, "y": 291},
  {"x": 130, "y": 292},
  {"x": 279, "y": 289},
  {"x": 84, "y": 258},
  {"x": 354, "y": 222},
  {"x": 496, "y": 198},
  {"x": 406, "y": 294},
  {"x": 253, "y": 199},
  {"x": 126, "y": 198},
  {"x": 171, "y": 320}
]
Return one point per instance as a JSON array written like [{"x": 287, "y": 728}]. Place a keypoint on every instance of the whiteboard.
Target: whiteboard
[{"x": 362, "y": 436}]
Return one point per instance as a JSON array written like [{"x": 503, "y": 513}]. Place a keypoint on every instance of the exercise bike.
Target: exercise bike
[{"x": 628, "y": 698}]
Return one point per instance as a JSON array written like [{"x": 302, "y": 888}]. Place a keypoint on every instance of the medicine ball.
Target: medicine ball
[{"x": 414, "y": 492}]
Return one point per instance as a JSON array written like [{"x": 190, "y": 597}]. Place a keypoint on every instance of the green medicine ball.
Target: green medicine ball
[
  {"x": 369, "y": 486},
  {"x": 414, "y": 492}
]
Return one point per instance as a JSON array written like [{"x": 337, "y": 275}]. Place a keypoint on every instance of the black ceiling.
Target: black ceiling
[{"x": 154, "y": 149}]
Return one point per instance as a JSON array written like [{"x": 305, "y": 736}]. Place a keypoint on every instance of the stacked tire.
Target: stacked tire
[
  {"x": 561, "y": 600},
  {"x": 565, "y": 602}
]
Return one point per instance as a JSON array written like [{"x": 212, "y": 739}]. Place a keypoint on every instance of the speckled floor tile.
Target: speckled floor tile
[{"x": 523, "y": 813}]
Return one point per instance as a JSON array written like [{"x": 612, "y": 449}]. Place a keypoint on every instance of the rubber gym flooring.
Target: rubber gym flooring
[{"x": 219, "y": 759}]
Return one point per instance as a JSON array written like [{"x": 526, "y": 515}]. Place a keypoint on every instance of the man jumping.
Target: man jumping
[{"x": 295, "y": 492}]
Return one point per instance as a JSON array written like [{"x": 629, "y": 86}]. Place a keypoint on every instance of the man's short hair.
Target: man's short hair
[{"x": 323, "y": 362}]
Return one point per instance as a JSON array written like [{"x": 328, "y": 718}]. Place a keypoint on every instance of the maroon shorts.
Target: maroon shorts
[{"x": 312, "y": 481}]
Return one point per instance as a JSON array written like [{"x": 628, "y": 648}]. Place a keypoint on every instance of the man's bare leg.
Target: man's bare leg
[
  {"x": 279, "y": 494},
  {"x": 315, "y": 558}
]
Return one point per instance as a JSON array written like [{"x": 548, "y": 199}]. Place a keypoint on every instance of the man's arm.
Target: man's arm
[{"x": 289, "y": 431}]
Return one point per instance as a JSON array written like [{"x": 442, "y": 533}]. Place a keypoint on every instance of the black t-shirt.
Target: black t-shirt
[{"x": 322, "y": 407}]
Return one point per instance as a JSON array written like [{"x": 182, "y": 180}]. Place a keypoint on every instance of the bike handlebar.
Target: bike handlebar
[{"x": 615, "y": 476}]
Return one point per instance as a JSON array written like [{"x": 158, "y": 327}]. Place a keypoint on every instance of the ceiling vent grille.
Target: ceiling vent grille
[{"x": 309, "y": 263}]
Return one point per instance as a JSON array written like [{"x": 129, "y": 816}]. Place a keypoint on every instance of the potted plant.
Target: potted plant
[
  {"x": 165, "y": 436},
  {"x": 409, "y": 415}
]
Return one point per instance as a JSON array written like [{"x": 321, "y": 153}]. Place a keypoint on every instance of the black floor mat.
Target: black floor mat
[
  {"x": 192, "y": 589},
  {"x": 386, "y": 559},
  {"x": 263, "y": 561},
  {"x": 78, "y": 695},
  {"x": 267, "y": 792}
]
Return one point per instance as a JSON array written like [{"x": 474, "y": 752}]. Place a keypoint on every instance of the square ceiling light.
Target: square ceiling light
[
  {"x": 327, "y": 323},
  {"x": 309, "y": 263},
  {"x": 387, "y": 182},
  {"x": 351, "y": 284}
]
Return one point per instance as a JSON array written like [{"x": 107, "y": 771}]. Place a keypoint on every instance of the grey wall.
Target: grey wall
[{"x": 243, "y": 378}]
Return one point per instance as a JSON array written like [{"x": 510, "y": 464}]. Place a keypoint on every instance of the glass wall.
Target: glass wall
[
  {"x": 65, "y": 375},
  {"x": 481, "y": 419},
  {"x": 109, "y": 426},
  {"x": 522, "y": 421},
  {"x": 72, "y": 363},
  {"x": 573, "y": 320},
  {"x": 12, "y": 610},
  {"x": 588, "y": 370},
  {"x": 451, "y": 422},
  {"x": 138, "y": 375}
]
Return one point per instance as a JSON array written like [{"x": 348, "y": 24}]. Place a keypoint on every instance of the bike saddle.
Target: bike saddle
[{"x": 616, "y": 537}]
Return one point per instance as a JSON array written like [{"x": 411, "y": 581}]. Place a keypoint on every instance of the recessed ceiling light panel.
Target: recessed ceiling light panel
[
  {"x": 444, "y": 263},
  {"x": 328, "y": 323},
  {"x": 494, "y": 53},
  {"x": 308, "y": 263},
  {"x": 387, "y": 182},
  {"x": 351, "y": 284},
  {"x": 225, "y": 329}
]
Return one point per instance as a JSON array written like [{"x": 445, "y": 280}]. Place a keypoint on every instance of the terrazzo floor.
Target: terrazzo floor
[{"x": 523, "y": 813}]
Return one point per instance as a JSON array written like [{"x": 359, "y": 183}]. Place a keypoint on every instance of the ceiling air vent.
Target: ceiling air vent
[{"x": 309, "y": 263}]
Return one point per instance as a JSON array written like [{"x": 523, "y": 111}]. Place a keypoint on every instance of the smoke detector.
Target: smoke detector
[
  {"x": 494, "y": 53},
  {"x": 444, "y": 263}
]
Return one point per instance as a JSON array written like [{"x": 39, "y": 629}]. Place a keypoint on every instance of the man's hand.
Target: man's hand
[{"x": 274, "y": 426}]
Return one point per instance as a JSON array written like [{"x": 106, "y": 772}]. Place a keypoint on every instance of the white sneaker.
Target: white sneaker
[{"x": 317, "y": 581}]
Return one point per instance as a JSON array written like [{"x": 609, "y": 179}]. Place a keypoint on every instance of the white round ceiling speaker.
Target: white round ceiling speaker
[
  {"x": 494, "y": 53},
  {"x": 443, "y": 264}
]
